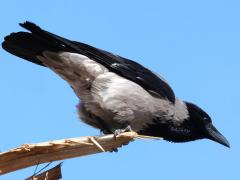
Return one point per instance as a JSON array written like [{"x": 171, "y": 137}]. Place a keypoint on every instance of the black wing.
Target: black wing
[
  {"x": 130, "y": 70},
  {"x": 29, "y": 45}
]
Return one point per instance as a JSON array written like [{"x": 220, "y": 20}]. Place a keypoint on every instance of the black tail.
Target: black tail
[{"x": 30, "y": 45}]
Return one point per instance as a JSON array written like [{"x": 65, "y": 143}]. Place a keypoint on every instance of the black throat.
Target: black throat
[{"x": 172, "y": 131}]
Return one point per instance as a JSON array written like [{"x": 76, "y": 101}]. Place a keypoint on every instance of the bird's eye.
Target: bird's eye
[{"x": 206, "y": 119}]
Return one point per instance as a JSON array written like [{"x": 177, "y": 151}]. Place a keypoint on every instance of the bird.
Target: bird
[{"x": 115, "y": 94}]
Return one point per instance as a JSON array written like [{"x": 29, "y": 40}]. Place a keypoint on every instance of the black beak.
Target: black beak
[{"x": 216, "y": 136}]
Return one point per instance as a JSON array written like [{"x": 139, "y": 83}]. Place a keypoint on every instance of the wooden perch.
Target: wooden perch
[
  {"x": 33, "y": 154},
  {"x": 54, "y": 173}
]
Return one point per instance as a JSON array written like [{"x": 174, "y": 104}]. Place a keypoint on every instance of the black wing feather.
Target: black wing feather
[{"x": 30, "y": 45}]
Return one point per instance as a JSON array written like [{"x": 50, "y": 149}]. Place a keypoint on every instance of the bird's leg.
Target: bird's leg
[{"x": 117, "y": 132}]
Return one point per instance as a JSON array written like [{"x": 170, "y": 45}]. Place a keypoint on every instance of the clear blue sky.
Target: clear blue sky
[{"x": 195, "y": 45}]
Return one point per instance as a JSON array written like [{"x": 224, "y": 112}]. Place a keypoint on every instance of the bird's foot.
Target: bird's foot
[{"x": 117, "y": 132}]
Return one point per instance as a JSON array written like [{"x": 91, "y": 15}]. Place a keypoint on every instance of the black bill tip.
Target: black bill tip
[{"x": 216, "y": 136}]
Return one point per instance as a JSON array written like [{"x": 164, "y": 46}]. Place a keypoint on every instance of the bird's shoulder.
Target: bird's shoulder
[{"x": 130, "y": 70}]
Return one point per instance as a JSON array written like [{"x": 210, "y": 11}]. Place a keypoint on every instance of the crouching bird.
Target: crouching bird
[{"x": 116, "y": 94}]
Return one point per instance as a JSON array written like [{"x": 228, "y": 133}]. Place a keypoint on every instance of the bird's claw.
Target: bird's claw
[{"x": 117, "y": 132}]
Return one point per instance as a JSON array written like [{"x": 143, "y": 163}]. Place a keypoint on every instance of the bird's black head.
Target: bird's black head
[{"x": 200, "y": 125}]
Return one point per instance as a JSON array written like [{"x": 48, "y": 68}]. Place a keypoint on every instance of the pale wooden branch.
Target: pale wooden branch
[{"x": 32, "y": 154}]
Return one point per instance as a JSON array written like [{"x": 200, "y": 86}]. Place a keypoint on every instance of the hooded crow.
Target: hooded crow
[{"x": 116, "y": 94}]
